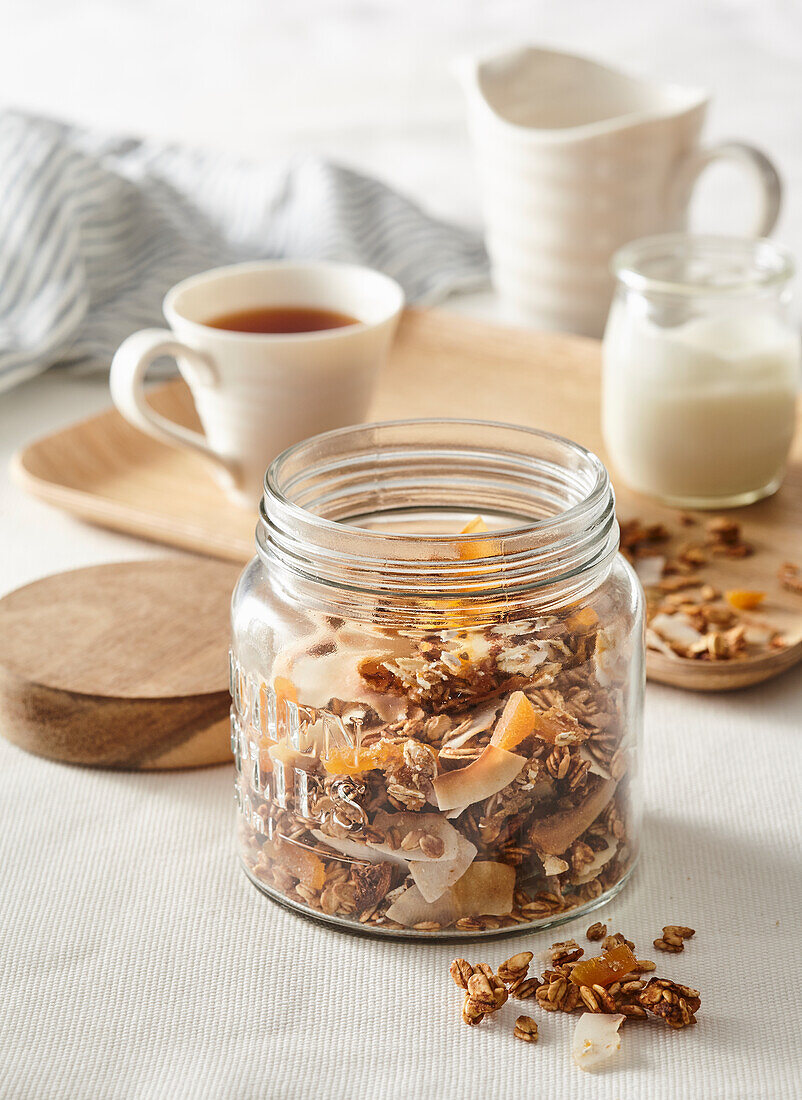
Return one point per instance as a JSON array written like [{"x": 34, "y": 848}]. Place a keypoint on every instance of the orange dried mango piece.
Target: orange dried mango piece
[
  {"x": 480, "y": 549},
  {"x": 517, "y": 721},
  {"x": 350, "y": 761},
  {"x": 305, "y": 865},
  {"x": 604, "y": 969},
  {"x": 354, "y": 761},
  {"x": 285, "y": 690},
  {"x": 582, "y": 620},
  {"x": 744, "y": 600},
  {"x": 549, "y": 724}
]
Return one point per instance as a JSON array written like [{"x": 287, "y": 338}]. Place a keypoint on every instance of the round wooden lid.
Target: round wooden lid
[
  {"x": 120, "y": 665},
  {"x": 130, "y": 630}
]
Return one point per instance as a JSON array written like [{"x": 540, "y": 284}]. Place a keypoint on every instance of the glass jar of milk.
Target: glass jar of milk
[{"x": 701, "y": 361}]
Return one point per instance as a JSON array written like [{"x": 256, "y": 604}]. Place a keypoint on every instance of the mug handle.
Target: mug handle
[
  {"x": 757, "y": 165},
  {"x": 126, "y": 380}
]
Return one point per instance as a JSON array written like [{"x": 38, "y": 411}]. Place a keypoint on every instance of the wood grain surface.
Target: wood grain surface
[
  {"x": 121, "y": 665},
  {"x": 442, "y": 364}
]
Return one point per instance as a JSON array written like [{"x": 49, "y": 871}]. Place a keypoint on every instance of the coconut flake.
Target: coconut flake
[
  {"x": 758, "y": 635},
  {"x": 555, "y": 833},
  {"x": 595, "y": 767},
  {"x": 552, "y": 865},
  {"x": 357, "y": 849},
  {"x": 411, "y": 908},
  {"x": 600, "y": 860},
  {"x": 677, "y": 630},
  {"x": 403, "y": 823},
  {"x": 650, "y": 570},
  {"x": 485, "y": 776},
  {"x": 654, "y": 641},
  {"x": 434, "y": 877},
  {"x": 596, "y": 1038},
  {"x": 486, "y": 889}
]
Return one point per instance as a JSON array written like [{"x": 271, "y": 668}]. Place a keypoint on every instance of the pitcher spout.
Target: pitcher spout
[{"x": 550, "y": 95}]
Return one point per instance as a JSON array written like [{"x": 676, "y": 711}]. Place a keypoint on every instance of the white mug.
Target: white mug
[
  {"x": 575, "y": 160},
  {"x": 258, "y": 393}
]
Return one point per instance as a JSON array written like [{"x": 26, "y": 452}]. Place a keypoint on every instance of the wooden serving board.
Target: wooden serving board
[
  {"x": 120, "y": 665},
  {"x": 442, "y": 364}
]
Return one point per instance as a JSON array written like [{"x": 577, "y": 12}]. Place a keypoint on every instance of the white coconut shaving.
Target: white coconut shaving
[{"x": 596, "y": 1039}]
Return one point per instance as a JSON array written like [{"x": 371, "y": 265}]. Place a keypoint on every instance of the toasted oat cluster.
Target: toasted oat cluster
[
  {"x": 469, "y": 778},
  {"x": 687, "y": 617}
]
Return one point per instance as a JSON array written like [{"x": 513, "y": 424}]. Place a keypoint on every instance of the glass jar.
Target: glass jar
[
  {"x": 701, "y": 359},
  {"x": 436, "y": 716}
]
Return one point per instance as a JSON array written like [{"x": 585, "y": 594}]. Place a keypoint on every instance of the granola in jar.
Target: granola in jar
[{"x": 449, "y": 747}]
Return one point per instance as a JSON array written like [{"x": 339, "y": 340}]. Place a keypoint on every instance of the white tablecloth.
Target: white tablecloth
[{"x": 137, "y": 961}]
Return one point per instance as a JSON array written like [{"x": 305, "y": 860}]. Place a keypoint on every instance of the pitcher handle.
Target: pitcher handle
[{"x": 757, "y": 164}]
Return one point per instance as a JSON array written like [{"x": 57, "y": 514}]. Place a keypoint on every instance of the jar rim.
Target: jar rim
[
  {"x": 716, "y": 265},
  {"x": 367, "y": 470}
]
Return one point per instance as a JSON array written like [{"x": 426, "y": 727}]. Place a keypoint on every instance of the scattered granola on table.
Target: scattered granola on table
[
  {"x": 673, "y": 938},
  {"x": 467, "y": 778},
  {"x": 608, "y": 986},
  {"x": 526, "y": 1029},
  {"x": 686, "y": 616}
]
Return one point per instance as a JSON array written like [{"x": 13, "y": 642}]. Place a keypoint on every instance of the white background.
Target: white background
[
  {"x": 368, "y": 82},
  {"x": 135, "y": 961}
]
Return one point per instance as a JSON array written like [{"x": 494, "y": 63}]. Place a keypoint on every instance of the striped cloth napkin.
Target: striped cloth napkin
[{"x": 95, "y": 229}]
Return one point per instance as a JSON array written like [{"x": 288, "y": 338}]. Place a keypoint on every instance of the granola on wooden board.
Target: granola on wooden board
[
  {"x": 471, "y": 778},
  {"x": 687, "y": 617}
]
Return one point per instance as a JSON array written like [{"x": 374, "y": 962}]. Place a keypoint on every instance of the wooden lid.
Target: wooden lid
[{"x": 147, "y": 636}]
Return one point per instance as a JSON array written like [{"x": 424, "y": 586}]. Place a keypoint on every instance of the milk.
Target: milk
[{"x": 703, "y": 412}]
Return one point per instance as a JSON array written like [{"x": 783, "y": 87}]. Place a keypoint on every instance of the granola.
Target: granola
[
  {"x": 687, "y": 617},
  {"x": 465, "y": 778}
]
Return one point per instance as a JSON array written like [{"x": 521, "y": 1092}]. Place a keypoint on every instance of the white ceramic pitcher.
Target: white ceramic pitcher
[{"x": 575, "y": 160}]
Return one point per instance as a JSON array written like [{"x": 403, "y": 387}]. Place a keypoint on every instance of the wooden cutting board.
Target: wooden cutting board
[
  {"x": 442, "y": 364},
  {"x": 121, "y": 665}
]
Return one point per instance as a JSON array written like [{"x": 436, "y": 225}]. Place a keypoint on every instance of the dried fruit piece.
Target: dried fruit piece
[
  {"x": 525, "y": 1029},
  {"x": 482, "y": 548},
  {"x": 486, "y": 889},
  {"x": 371, "y": 883},
  {"x": 517, "y": 722},
  {"x": 353, "y": 761},
  {"x": 596, "y": 1039},
  {"x": 604, "y": 969},
  {"x": 490, "y": 773},
  {"x": 582, "y": 620},
  {"x": 285, "y": 690},
  {"x": 357, "y": 849},
  {"x": 434, "y": 877},
  {"x": 555, "y": 833},
  {"x": 474, "y": 526},
  {"x": 558, "y": 727},
  {"x": 411, "y": 908},
  {"x": 291, "y": 758},
  {"x": 404, "y": 831},
  {"x": 301, "y": 863},
  {"x": 744, "y": 600}
]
